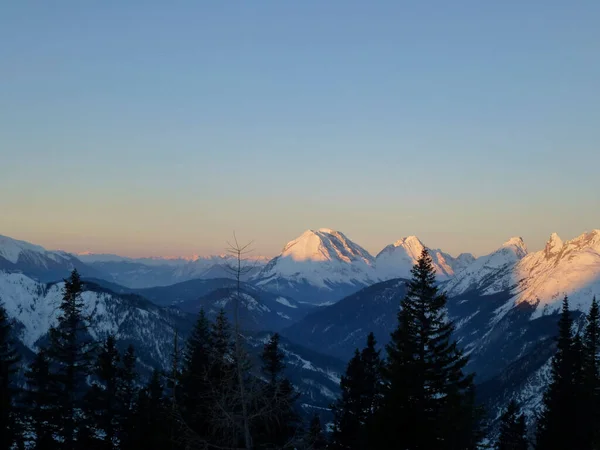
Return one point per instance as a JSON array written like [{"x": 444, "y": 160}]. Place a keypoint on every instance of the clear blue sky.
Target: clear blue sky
[{"x": 154, "y": 127}]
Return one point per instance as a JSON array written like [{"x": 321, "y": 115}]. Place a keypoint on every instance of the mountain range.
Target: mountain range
[
  {"x": 505, "y": 309},
  {"x": 325, "y": 293}
]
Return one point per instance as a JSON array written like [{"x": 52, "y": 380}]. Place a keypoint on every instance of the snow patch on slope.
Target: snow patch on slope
[{"x": 284, "y": 301}]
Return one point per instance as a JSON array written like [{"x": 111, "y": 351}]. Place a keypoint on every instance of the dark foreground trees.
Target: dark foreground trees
[
  {"x": 428, "y": 400},
  {"x": 82, "y": 394},
  {"x": 513, "y": 431},
  {"x": 570, "y": 414},
  {"x": 10, "y": 429},
  {"x": 419, "y": 397},
  {"x": 361, "y": 390}
]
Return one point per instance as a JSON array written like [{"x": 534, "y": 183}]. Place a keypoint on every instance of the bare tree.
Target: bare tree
[
  {"x": 233, "y": 406},
  {"x": 239, "y": 268}
]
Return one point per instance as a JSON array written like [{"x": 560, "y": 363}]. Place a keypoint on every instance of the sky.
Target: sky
[{"x": 149, "y": 128}]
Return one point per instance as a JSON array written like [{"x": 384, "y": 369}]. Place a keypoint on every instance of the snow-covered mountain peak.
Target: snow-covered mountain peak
[
  {"x": 11, "y": 249},
  {"x": 320, "y": 259},
  {"x": 517, "y": 244},
  {"x": 324, "y": 245},
  {"x": 412, "y": 245}
]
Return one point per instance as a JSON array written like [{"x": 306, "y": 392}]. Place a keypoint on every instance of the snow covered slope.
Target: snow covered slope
[
  {"x": 319, "y": 266},
  {"x": 541, "y": 278},
  {"x": 507, "y": 307},
  {"x": 36, "y": 261},
  {"x": 150, "y": 328},
  {"x": 571, "y": 268},
  {"x": 397, "y": 259},
  {"x": 489, "y": 273},
  {"x": 34, "y": 306}
]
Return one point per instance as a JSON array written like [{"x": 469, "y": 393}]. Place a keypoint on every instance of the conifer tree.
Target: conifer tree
[
  {"x": 70, "y": 354},
  {"x": 360, "y": 399},
  {"x": 348, "y": 432},
  {"x": 513, "y": 431},
  {"x": 278, "y": 422},
  {"x": 315, "y": 438},
  {"x": 428, "y": 400},
  {"x": 8, "y": 368},
  {"x": 151, "y": 430},
  {"x": 373, "y": 368},
  {"x": 40, "y": 403},
  {"x": 557, "y": 426},
  {"x": 590, "y": 401},
  {"x": 221, "y": 355},
  {"x": 193, "y": 391},
  {"x": 126, "y": 396},
  {"x": 101, "y": 402},
  {"x": 223, "y": 396}
]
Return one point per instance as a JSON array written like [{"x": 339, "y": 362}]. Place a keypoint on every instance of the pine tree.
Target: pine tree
[
  {"x": 225, "y": 397},
  {"x": 590, "y": 401},
  {"x": 272, "y": 358},
  {"x": 40, "y": 400},
  {"x": 428, "y": 400},
  {"x": 151, "y": 430},
  {"x": 8, "y": 368},
  {"x": 70, "y": 354},
  {"x": 193, "y": 391},
  {"x": 558, "y": 426},
  {"x": 360, "y": 399},
  {"x": 101, "y": 402},
  {"x": 315, "y": 438},
  {"x": 513, "y": 431},
  {"x": 348, "y": 432},
  {"x": 373, "y": 368},
  {"x": 126, "y": 396},
  {"x": 221, "y": 355},
  {"x": 278, "y": 423}
]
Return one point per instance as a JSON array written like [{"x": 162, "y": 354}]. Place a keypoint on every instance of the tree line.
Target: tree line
[{"x": 82, "y": 394}]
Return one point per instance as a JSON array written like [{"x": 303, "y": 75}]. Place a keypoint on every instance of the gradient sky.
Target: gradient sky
[{"x": 155, "y": 128}]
